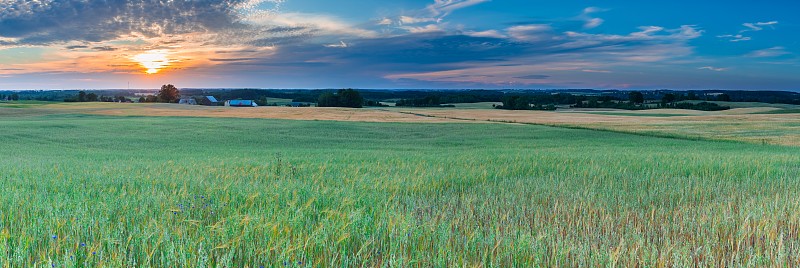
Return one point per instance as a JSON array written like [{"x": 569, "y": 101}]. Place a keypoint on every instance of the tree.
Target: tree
[
  {"x": 350, "y": 98},
  {"x": 636, "y": 97},
  {"x": 91, "y": 97},
  {"x": 151, "y": 98},
  {"x": 15, "y": 97},
  {"x": 724, "y": 97},
  {"x": 668, "y": 98},
  {"x": 343, "y": 98},
  {"x": 168, "y": 93},
  {"x": 327, "y": 99},
  {"x": 81, "y": 96},
  {"x": 142, "y": 99}
]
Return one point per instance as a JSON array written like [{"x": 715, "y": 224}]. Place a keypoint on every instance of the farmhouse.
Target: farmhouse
[
  {"x": 209, "y": 101},
  {"x": 189, "y": 101},
  {"x": 241, "y": 103}
]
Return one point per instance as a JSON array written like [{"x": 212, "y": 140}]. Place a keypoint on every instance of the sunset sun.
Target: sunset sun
[{"x": 152, "y": 61}]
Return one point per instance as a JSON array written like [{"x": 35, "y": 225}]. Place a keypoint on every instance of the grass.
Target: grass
[
  {"x": 22, "y": 104},
  {"x": 477, "y": 105},
  {"x": 733, "y": 125},
  {"x": 85, "y": 190},
  {"x": 749, "y": 104},
  {"x": 637, "y": 114},
  {"x": 783, "y": 111}
]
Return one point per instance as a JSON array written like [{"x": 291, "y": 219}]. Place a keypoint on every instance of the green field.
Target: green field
[{"x": 81, "y": 190}]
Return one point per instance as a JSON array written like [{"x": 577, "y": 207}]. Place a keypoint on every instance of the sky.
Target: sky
[{"x": 430, "y": 44}]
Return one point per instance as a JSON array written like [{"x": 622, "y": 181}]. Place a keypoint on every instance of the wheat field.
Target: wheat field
[{"x": 91, "y": 190}]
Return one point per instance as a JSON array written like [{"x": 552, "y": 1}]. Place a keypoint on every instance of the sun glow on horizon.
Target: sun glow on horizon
[{"x": 153, "y": 61}]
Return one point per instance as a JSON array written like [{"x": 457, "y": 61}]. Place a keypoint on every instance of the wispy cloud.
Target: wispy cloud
[
  {"x": 768, "y": 53},
  {"x": 533, "y": 77},
  {"x": 591, "y": 22},
  {"x": 430, "y": 28},
  {"x": 415, "y": 20},
  {"x": 488, "y": 33},
  {"x": 443, "y": 8},
  {"x": 531, "y": 33},
  {"x": 712, "y": 68},
  {"x": 735, "y": 38},
  {"x": 749, "y": 27},
  {"x": 758, "y": 26},
  {"x": 595, "y": 71},
  {"x": 341, "y": 44}
]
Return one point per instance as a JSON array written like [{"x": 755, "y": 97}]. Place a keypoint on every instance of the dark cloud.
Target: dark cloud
[
  {"x": 42, "y": 22},
  {"x": 534, "y": 77},
  {"x": 413, "y": 52},
  {"x": 233, "y": 59},
  {"x": 76, "y": 47},
  {"x": 104, "y": 48},
  {"x": 236, "y": 51}
]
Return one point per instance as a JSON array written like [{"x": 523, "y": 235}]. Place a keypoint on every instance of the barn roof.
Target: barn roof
[
  {"x": 240, "y": 102},
  {"x": 211, "y": 99}
]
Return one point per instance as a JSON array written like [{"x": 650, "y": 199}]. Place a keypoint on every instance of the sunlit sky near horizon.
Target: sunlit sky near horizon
[{"x": 97, "y": 44}]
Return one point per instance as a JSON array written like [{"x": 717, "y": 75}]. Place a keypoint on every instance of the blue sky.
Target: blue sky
[{"x": 399, "y": 44}]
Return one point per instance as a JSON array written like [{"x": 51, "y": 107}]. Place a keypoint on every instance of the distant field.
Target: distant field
[
  {"x": 478, "y": 105},
  {"x": 753, "y": 125},
  {"x": 80, "y": 188}
]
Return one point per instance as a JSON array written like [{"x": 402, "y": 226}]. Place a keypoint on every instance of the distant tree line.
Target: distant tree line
[
  {"x": 82, "y": 96},
  {"x": 541, "y": 101},
  {"x": 440, "y": 99},
  {"x": 427, "y": 101},
  {"x": 637, "y": 101},
  {"x": 10, "y": 97}
]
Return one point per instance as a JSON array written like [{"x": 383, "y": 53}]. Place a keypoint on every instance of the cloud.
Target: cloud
[
  {"x": 417, "y": 46},
  {"x": 712, "y": 68},
  {"x": 768, "y": 53},
  {"x": 415, "y": 20},
  {"x": 341, "y": 44},
  {"x": 749, "y": 27},
  {"x": 442, "y": 8},
  {"x": 652, "y": 35},
  {"x": 433, "y": 15},
  {"x": 758, "y": 26},
  {"x": 104, "y": 48},
  {"x": 385, "y": 21},
  {"x": 593, "y": 23},
  {"x": 430, "y": 28},
  {"x": 314, "y": 24},
  {"x": 232, "y": 59},
  {"x": 735, "y": 38},
  {"x": 530, "y": 33},
  {"x": 488, "y": 33},
  {"x": 595, "y": 71},
  {"x": 688, "y": 32},
  {"x": 76, "y": 47},
  {"x": 539, "y": 48},
  {"x": 589, "y": 21},
  {"x": 49, "y": 21},
  {"x": 534, "y": 77}
]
